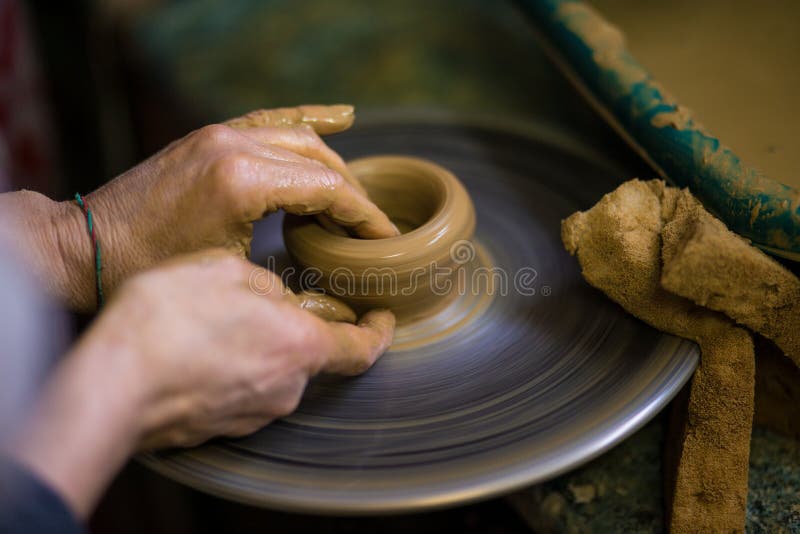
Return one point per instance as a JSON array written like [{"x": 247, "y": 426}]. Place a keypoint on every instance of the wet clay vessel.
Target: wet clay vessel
[{"x": 412, "y": 274}]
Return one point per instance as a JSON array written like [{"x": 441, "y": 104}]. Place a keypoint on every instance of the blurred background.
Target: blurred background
[
  {"x": 118, "y": 79},
  {"x": 88, "y": 88}
]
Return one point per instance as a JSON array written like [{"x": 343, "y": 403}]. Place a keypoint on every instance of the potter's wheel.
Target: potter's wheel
[{"x": 529, "y": 387}]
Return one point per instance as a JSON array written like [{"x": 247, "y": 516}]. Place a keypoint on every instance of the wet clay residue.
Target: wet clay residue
[
  {"x": 435, "y": 214},
  {"x": 678, "y": 119},
  {"x": 619, "y": 246},
  {"x": 607, "y": 41},
  {"x": 324, "y": 119}
]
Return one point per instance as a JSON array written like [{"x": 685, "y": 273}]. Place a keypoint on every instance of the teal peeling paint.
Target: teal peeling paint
[{"x": 763, "y": 210}]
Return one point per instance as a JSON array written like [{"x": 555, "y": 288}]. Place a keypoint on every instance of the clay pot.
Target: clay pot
[{"x": 408, "y": 274}]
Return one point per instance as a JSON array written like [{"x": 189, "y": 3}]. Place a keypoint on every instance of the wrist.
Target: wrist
[
  {"x": 74, "y": 257},
  {"x": 52, "y": 238},
  {"x": 107, "y": 361},
  {"x": 84, "y": 426},
  {"x": 76, "y": 253}
]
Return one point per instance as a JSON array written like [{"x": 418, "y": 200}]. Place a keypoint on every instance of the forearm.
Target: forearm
[
  {"x": 84, "y": 426},
  {"x": 52, "y": 237}
]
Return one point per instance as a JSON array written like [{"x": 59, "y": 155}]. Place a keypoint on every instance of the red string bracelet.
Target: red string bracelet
[{"x": 96, "y": 244}]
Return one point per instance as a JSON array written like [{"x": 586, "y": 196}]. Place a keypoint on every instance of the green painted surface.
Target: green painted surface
[
  {"x": 226, "y": 58},
  {"x": 747, "y": 201}
]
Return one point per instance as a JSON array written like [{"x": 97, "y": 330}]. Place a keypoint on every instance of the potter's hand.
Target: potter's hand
[
  {"x": 204, "y": 190},
  {"x": 182, "y": 353}
]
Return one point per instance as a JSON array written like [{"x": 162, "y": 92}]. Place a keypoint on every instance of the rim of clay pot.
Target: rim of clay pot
[{"x": 452, "y": 218}]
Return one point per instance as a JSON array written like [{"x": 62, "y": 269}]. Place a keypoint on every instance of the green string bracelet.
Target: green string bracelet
[{"x": 98, "y": 264}]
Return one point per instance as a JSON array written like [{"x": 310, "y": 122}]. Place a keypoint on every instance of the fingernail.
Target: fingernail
[{"x": 344, "y": 109}]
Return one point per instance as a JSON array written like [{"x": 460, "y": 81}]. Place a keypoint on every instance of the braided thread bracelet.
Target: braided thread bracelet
[{"x": 96, "y": 244}]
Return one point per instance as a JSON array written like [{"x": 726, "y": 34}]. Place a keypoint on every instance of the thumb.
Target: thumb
[{"x": 323, "y": 119}]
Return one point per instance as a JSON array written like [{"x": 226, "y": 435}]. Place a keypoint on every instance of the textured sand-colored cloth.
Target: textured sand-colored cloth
[
  {"x": 619, "y": 245},
  {"x": 707, "y": 263},
  {"x": 717, "y": 269}
]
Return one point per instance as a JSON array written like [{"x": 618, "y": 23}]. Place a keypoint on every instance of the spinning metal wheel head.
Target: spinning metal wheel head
[{"x": 488, "y": 394}]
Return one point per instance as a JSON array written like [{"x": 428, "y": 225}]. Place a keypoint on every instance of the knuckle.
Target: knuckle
[
  {"x": 215, "y": 134},
  {"x": 227, "y": 175},
  {"x": 308, "y": 334},
  {"x": 307, "y": 134},
  {"x": 311, "y": 342},
  {"x": 287, "y": 405},
  {"x": 229, "y": 164},
  {"x": 330, "y": 180},
  {"x": 289, "y": 399}
]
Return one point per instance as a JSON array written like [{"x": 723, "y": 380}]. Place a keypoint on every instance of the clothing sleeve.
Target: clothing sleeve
[{"x": 29, "y": 506}]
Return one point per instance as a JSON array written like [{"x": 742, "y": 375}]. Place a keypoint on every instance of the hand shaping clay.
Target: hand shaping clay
[
  {"x": 406, "y": 274},
  {"x": 323, "y": 119},
  {"x": 326, "y": 307},
  {"x": 619, "y": 246}
]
